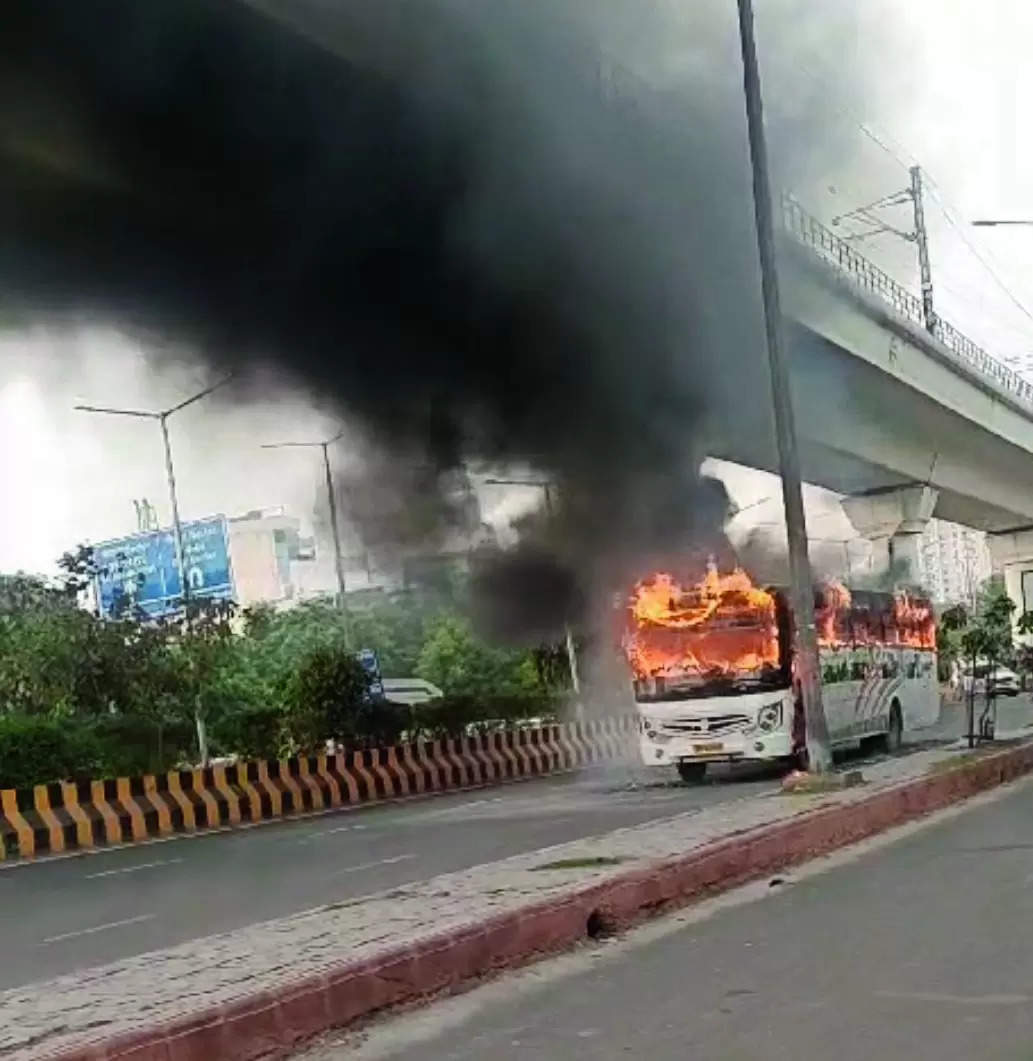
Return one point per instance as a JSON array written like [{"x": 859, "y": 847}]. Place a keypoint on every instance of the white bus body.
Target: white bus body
[
  {"x": 878, "y": 682},
  {"x": 862, "y": 690}
]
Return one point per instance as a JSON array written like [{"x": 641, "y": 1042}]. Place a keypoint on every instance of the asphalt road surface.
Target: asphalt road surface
[
  {"x": 919, "y": 948},
  {"x": 65, "y": 914}
]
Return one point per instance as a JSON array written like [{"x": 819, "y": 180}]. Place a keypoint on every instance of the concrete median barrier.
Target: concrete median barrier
[{"x": 66, "y": 816}]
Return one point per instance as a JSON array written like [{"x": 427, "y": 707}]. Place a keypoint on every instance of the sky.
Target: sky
[{"x": 950, "y": 89}]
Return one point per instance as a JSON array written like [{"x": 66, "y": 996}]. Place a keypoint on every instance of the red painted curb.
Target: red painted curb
[{"x": 271, "y": 1024}]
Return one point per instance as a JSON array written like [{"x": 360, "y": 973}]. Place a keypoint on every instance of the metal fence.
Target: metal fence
[{"x": 844, "y": 257}]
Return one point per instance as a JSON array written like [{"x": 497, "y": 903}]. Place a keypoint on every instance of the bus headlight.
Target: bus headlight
[{"x": 769, "y": 717}]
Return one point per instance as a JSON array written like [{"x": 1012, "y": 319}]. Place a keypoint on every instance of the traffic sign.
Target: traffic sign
[
  {"x": 140, "y": 573},
  {"x": 371, "y": 665}
]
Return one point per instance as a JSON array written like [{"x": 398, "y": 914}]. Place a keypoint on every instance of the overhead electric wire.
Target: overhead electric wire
[
  {"x": 952, "y": 221},
  {"x": 895, "y": 150}
]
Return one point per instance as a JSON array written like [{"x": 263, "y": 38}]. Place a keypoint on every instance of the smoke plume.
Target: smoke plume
[{"x": 511, "y": 231}]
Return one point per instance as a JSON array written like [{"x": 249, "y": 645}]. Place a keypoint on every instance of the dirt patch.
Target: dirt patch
[{"x": 579, "y": 863}]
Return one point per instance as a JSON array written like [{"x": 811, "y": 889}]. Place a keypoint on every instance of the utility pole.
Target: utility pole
[
  {"x": 546, "y": 487},
  {"x": 808, "y": 672},
  {"x": 332, "y": 501},
  {"x": 177, "y": 529},
  {"x": 919, "y": 236},
  {"x": 575, "y": 678},
  {"x": 922, "y": 242},
  {"x": 331, "y": 498},
  {"x": 170, "y": 473}
]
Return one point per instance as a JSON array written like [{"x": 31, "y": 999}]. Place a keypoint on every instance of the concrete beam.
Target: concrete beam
[
  {"x": 893, "y": 521},
  {"x": 1011, "y": 555}
]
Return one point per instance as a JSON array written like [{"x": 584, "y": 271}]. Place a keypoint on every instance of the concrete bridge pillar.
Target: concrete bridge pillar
[
  {"x": 1011, "y": 554},
  {"x": 893, "y": 521}
]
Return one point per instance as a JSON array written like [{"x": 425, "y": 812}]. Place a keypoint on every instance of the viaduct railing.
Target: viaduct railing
[{"x": 844, "y": 257}]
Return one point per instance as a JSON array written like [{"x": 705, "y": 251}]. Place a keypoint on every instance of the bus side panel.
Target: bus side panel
[
  {"x": 920, "y": 699},
  {"x": 860, "y": 684}
]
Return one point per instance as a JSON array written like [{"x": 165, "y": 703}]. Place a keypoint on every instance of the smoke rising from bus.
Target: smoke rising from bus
[{"x": 506, "y": 232}]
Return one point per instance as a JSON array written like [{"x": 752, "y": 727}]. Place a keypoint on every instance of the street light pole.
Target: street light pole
[
  {"x": 177, "y": 528},
  {"x": 334, "y": 526},
  {"x": 808, "y": 672},
  {"x": 162, "y": 418},
  {"x": 575, "y": 678},
  {"x": 332, "y": 501},
  {"x": 546, "y": 487}
]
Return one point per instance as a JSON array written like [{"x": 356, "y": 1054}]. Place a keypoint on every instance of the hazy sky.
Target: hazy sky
[{"x": 953, "y": 92}]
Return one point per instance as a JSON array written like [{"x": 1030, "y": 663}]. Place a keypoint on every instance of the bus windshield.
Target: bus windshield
[{"x": 717, "y": 637}]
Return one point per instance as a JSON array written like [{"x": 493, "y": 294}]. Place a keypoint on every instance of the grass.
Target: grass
[
  {"x": 579, "y": 863},
  {"x": 953, "y": 762},
  {"x": 813, "y": 784}
]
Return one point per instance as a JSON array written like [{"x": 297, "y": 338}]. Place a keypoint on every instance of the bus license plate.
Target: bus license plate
[{"x": 701, "y": 749}]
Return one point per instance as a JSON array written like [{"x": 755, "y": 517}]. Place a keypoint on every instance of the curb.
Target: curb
[{"x": 272, "y": 1023}]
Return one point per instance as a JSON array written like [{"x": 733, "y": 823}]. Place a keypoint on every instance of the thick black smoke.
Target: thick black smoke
[{"x": 468, "y": 225}]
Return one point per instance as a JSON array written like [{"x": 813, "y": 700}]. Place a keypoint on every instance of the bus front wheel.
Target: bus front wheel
[{"x": 692, "y": 773}]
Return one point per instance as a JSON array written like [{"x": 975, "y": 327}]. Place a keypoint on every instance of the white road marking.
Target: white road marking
[
  {"x": 331, "y": 832},
  {"x": 99, "y": 928},
  {"x": 373, "y": 865},
  {"x": 133, "y": 869},
  {"x": 955, "y": 1000}
]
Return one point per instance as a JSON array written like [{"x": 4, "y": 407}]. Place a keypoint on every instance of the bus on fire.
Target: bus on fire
[{"x": 712, "y": 669}]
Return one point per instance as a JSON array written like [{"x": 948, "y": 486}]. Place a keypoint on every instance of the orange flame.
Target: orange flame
[
  {"x": 721, "y": 624},
  {"x": 724, "y": 624},
  {"x": 902, "y": 620}
]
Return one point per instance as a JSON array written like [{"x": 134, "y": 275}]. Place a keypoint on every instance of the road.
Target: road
[
  {"x": 65, "y": 914},
  {"x": 918, "y": 948}
]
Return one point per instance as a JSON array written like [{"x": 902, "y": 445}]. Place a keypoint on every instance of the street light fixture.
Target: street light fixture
[
  {"x": 162, "y": 417},
  {"x": 546, "y": 485},
  {"x": 332, "y": 501},
  {"x": 997, "y": 222}
]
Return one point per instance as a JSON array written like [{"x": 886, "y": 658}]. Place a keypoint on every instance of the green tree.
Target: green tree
[
  {"x": 328, "y": 698},
  {"x": 983, "y": 638},
  {"x": 482, "y": 683}
]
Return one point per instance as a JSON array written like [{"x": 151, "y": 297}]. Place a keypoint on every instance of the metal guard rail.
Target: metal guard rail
[{"x": 842, "y": 256}]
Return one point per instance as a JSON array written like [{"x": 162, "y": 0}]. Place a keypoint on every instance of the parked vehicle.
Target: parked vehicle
[{"x": 1002, "y": 681}]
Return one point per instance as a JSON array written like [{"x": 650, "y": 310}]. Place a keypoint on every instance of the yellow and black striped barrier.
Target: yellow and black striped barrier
[{"x": 66, "y": 816}]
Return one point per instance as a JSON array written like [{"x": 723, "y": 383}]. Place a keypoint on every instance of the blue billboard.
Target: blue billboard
[
  {"x": 140, "y": 574},
  {"x": 370, "y": 662}
]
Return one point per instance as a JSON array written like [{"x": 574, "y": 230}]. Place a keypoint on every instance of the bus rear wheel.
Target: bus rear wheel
[
  {"x": 692, "y": 773},
  {"x": 890, "y": 741}
]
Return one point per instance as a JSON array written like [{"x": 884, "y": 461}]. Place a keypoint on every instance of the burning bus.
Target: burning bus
[{"x": 713, "y": 676}]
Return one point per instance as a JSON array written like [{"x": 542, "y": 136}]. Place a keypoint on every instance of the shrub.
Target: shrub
[
  {"x": 325, "y": 697},
  {"x": 127, "y": 745},
  {"x": 253, "y": 732},
  {"x": 37, "y": 750}
]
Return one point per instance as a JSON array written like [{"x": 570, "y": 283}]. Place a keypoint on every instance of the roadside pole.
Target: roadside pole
[
  {"x": 545, "y": 486},
  {"x": 177, "y": 527},
  {"x": 808, "y": 672},
  {"x": 331, "y": 498}
]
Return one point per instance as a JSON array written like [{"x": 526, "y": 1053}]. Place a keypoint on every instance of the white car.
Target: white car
[{"x": 1002, "y": 680}]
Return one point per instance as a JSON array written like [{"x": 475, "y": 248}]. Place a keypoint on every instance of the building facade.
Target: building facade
[
  {"x": 272, "y": 562},
  {"x": 954, "y": 561}
]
